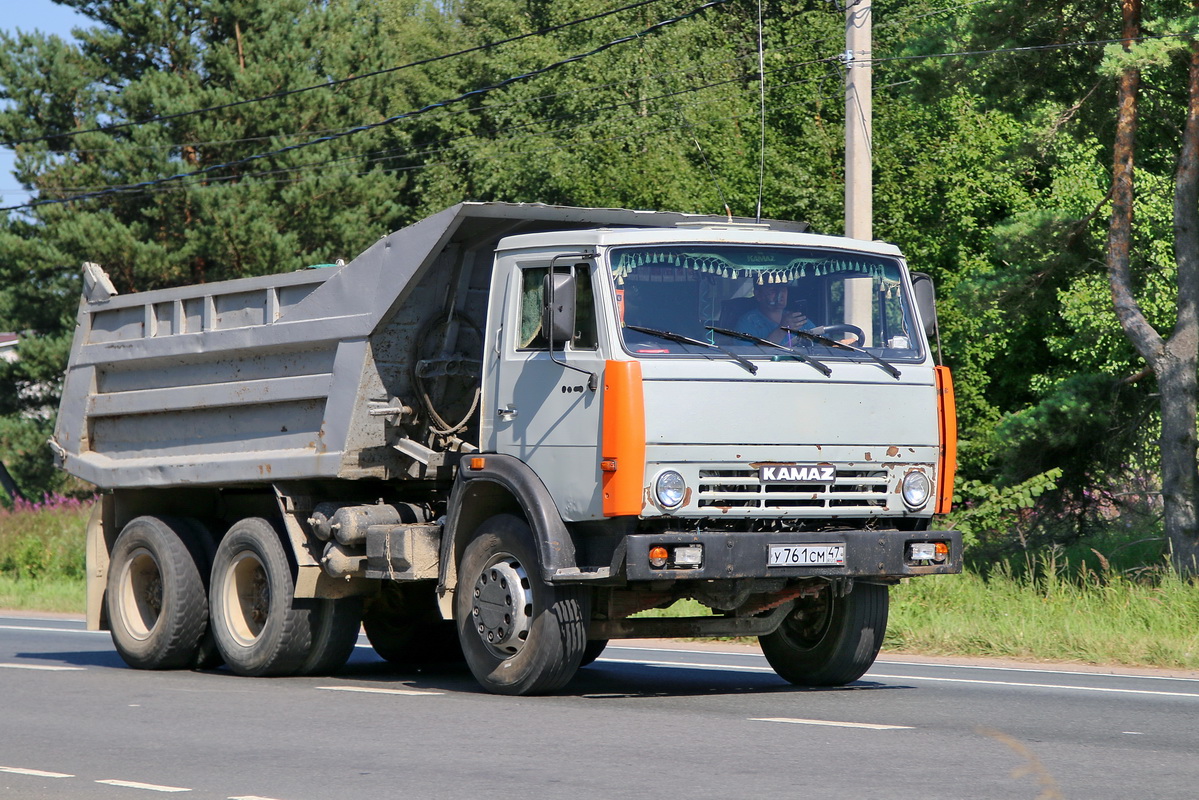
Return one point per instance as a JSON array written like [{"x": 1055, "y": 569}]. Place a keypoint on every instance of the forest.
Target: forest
[{"x": 1026, "y": 156}]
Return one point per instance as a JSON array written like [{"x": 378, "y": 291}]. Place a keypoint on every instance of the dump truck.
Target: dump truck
[{"x": 506, "y": 434}]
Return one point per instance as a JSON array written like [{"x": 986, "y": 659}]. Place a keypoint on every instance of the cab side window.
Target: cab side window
[{"x": 532, "y": 300}]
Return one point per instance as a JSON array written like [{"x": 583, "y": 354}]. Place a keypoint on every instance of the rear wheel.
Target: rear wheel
[
  {"x": 827, "y": 640},
  {"x": 258, "y": 627},
  {"x": 334, "y": 626},
  {"x": 592, "y": 651},
  {"x": 404, "y": 626},
  {"x": 155, "y": 599},
  {"x": 519, "y": 634}
]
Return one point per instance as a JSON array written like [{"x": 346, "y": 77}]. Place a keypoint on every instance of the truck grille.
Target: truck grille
[{"x": 740, "y": 488}]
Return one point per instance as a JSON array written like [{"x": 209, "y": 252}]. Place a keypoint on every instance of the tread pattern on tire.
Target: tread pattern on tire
[
  {"x": 174, "y": 641},
  {"x": 847, "y": 648},
  {"x": 285, "y": 642},
  {"x": 550, "y": 657}
]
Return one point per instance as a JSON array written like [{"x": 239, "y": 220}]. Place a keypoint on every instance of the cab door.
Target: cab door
[{"x": 546, "y": 403}]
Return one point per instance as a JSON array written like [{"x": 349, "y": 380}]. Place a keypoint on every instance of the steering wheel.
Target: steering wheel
[{"x": 832, "y": 331}]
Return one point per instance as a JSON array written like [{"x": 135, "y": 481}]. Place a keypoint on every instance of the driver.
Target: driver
[{"x": 771, "y": 315}]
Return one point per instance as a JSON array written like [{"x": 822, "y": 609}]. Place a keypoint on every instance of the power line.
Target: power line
[
  {"x": 590, "y": 89},
  {"x": 391, "y": 120},
  {"x": 1031, "y": 48},
  {"x": 328, "y": 84},
  {"x": 393, "y": 153},
  {"x": 309, "y": 170}
]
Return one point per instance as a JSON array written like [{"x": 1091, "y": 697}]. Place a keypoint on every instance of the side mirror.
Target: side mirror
[
  {"x": 558, "y": 313},
  {"x": 926, "y": 302}
]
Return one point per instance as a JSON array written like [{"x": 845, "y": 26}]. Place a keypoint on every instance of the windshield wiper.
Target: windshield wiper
[
  {"x": 671, "y": 336},
  {"x": 749, "y": 337},
  {"x": 892, "y": 370}
]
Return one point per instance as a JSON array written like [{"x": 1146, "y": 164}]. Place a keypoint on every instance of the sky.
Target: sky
[{"x": 29, "y": 15}]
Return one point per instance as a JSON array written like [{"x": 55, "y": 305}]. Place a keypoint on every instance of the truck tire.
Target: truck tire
[
  {"x": 156, "y": 603},
  {"x": 200, "y": 541},
  {"x": 827, "y": 640},
  {"x": 334, "y": 626},
  {"x": 404, "y": 626},
  {"x": 258, "y": 627},
  {"x": 520, "y": 635},
  {"x": 592, "y": 651}
]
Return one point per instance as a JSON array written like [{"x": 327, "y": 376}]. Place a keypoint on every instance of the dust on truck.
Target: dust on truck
[{"x": 509, "y": 429}]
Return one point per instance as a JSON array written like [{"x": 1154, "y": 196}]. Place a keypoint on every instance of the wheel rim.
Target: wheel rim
[
  {"x": 141, "y": 594},
  {"x": 807, "y": 625},
  {"x": 502, "y": 605},
  {"x": 247, "y": 598}
]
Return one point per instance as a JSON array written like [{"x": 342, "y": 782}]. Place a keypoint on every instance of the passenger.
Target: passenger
[{"x": 772, "y": 315}]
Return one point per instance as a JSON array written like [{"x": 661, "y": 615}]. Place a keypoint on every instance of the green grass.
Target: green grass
[
  {"x": 1088, "y": 617},
  {"x": 42, "y": 555}
]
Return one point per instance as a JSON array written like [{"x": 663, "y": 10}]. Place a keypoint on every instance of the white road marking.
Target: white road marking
[
  {"x": 251, "y": 797},
  {"x": 748, "y": 668},
  {"x": 830, "y": 723},
  {"x": 370, "y": 690},
  {"x": 151, "y": 787},
  {"x": 649, "y": 663},
  {"x": 43, "y": 667},
  {"x": 883, "y": 661},
  {"x": 47, "y": 630},
  {"x": 1111, "y": 690},
  {"x": 37, "y": 773}
]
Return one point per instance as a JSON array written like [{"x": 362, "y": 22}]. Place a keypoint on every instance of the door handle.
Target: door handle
[{"x": 507, "y": 413}]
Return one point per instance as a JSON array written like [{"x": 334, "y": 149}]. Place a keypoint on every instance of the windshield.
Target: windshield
[{"x": 766, "y": 293}]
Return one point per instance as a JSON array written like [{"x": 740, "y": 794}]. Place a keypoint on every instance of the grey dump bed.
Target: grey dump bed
[{"x": 275, "y": 378}]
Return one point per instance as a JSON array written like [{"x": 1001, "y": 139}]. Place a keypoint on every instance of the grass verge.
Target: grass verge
[{"x": 42, "y": 555}]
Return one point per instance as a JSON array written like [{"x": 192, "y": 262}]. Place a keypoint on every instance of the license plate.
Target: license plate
[
  {"x": 797, "y": 473},
  {"x": 806, "y": 555}
]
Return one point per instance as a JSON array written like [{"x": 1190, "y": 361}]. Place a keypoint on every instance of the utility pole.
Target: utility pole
[{"x": 859, "y": 200}]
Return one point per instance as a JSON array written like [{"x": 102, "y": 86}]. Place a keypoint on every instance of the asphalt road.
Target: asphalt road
[{"x": 642, "y": 722}]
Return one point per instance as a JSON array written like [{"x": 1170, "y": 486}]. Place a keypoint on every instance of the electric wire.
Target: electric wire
[
  {"x": 132, "y": 146},
  {"x": 329, "y": 84},
  {"x": 670, "y": 129},
  {"x": 394, "y": 153},
  {"x": 391, "y": 120}
]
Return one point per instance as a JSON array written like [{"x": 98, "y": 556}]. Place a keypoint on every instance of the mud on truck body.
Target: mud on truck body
[{"x": 502, "y": 432}]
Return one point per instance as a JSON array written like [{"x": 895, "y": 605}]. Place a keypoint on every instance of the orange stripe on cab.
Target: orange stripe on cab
[
  {"x": 947, "y": 420},
  {"x": 623, "y": 441}
]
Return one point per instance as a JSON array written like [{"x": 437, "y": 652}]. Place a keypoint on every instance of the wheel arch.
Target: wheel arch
[{"x": 503, "y": 485}]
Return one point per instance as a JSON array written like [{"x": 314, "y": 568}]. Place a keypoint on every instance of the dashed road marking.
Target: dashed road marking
[
  {"x": 47, "y": 630},
  {"x": 36, "y": 773},
  {"x": 370, "y": 690},
  {"x": 830, "y": 723},
  {"x": 43, "y": 667},
  {"x": 151, "y": 787}
]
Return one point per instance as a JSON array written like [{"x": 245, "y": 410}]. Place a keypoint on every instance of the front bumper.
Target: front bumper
[{"x": 868, "y": 554}]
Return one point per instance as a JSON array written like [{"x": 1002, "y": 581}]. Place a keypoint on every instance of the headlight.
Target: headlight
[
  {"x": 915, "y": 489},
  {"x": 669, "y": 489}
]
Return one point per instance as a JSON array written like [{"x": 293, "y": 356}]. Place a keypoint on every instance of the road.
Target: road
[{"x": 642, "y": 722}]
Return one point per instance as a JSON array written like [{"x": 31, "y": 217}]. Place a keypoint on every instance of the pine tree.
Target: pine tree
[{"x": 149, "y": 59}]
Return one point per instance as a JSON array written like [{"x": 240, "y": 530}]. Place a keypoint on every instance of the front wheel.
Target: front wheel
[
  {"x": 828, "y": 640},
  {"x": 519, "y": 634}
]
